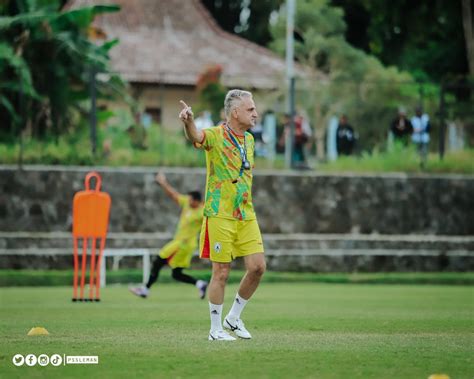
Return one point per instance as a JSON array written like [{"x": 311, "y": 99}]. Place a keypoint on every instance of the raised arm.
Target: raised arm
[
  {"x": 192, "y": 133},
  {"x": 170, "y": 191}
]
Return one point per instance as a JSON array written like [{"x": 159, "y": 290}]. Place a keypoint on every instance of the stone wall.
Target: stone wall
[{"x": 40, "y": 198}]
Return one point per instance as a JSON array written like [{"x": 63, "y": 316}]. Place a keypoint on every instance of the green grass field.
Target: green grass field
[{"x": 300, "y": 330}]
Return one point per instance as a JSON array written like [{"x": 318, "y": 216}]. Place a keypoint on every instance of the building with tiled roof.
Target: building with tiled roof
[{"x": 166, "y": 44}]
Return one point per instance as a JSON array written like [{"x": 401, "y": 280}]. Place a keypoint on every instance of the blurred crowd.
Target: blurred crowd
[{"x": 271, "y": 134}]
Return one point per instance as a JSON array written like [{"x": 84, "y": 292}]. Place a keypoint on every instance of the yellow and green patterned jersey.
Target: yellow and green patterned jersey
[
  {"x": 228, "y": 193},
  {"x": 190, "y": 221}
]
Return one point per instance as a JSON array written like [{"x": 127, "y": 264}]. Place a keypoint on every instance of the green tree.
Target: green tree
[
  {"x": 246, "y": 18},
  {"x": 342, "y": 78},
  {"x": 467, "y": 18},
  {"x": 423, "y": 37},
  {"x": 46, "y": 58}
]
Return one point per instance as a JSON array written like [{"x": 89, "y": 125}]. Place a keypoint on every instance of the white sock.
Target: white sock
[
  {"x": 216, "y": 316},
  {"x": 200, "y": 284},
  {"x": 237, "y": 307}
]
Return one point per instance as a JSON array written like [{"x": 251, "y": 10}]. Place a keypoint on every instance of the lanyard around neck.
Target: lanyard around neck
[{"x": 242, "y": 150}]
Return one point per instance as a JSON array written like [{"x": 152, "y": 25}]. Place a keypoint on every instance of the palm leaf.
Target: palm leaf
[
  {"x": 51, "y": 5},
  {"x": 5, "y": 103},
  {"x": 8, "y": 58},
  {"x": 25, "y": 19},
  {"x": 82, "y": 17},
  {"x": 107, "y": 46},
  {"x": 83, "y": 50}
]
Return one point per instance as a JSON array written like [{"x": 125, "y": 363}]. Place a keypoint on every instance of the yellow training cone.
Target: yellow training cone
[
  {"x": 438, "y": 376},
  {"x": 38, "y": 331}
]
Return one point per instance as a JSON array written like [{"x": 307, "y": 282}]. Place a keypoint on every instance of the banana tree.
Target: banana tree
[{"x": 45, "y": 62}]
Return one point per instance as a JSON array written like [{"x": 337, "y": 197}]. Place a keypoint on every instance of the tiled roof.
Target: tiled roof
[{"x": 172, "y": 41}]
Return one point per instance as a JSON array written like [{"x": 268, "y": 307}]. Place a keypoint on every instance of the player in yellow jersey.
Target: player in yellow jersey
[
  {"x": 230, "y": 227},
  {"x": 178, "y": 253}
]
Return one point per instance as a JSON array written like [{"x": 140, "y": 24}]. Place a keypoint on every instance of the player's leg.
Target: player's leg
[
  {"x": 216, "y": 244},
  {"x": 144, "y": 290},
  {"x": 255, "y": 267},
  {"x": 177, "y": 274},
  {"x": 182, "y": 260},
  {"x": 158, "y": 264},
  {"x": 220, "y": 274},
  {"x": 250, "y": 247},
  {"x": 160, "y": 261},
  {"x": 201, "y": 285}
]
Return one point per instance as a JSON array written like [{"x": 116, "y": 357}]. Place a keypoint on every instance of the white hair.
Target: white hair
[{"x": 233, "y": 98}]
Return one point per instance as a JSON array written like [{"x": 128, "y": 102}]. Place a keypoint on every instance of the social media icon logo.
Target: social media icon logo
[
  {"x": 56, "y": 359},
  {"x": 18, "y": 360},
  {"x": 31, "y": 359},
  {"x": 43, "y": 360}
]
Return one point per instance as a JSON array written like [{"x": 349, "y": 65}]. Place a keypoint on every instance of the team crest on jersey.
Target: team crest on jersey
[{"x": 217, "y": 247}]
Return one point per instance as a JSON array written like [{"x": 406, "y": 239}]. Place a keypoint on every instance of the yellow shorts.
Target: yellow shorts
[
  {"x": 222, "y": 239},
  {"x": 178, "y": 253}
]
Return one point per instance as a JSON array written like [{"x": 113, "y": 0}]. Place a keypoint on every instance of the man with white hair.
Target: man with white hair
[{"x": 230, "y": 227}]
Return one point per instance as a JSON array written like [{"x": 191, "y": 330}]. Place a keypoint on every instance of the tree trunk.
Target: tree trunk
[{"x": 468, "y": 35}]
